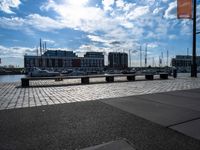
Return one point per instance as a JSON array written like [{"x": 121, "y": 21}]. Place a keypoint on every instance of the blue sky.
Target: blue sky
[{"x": 93, "y": 25}]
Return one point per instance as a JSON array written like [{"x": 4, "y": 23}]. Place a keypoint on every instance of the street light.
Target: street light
[
  {"x": 185, "y": 12},
  {"x": 194, "y": 64}
]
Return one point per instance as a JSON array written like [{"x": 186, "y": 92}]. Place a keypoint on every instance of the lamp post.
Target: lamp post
[
  {"x": 185, "y": 12},
  {"x": 194, "y": 64}
]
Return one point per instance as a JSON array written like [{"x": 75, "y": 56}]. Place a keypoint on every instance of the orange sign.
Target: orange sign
[{"x": 184, "y": 9}]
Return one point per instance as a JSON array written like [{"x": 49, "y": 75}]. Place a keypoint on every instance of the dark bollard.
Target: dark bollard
[
  {"x": 131, "y": 78},
  {"x": 58, "y": 79},
  {"x": 110, "y": 79},
  {"x": 24, "y": 82},
  {"x": 149, "y": 77},
  {"x": 175, "y": 73},
  {"x": 85, "y": 80},
  {"x": 163, "y": 76}
]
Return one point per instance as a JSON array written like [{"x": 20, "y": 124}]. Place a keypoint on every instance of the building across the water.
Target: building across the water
[
  {"x": 118, "y": 60},
  {"x": 183, "y": 63},
  {"x": 61, "y": 60}
]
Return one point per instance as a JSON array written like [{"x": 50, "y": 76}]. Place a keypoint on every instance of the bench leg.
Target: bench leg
[
  {"x": 85, "y": 80},
  {"x": 149, "y": 77},
  {"x": 163, "y": 76},
  {"x": 131, "y": 78},
  {"x": 58, "y": 79},
  {"x": 25, "y": 82},
  {"x": 110, "y": 79}
]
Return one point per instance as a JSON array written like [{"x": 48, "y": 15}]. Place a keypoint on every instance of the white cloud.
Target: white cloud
[
  {"x": 170, "y": 13},
  {"x": 11, "y": 23},
  {"x": 107, "y": 4},
  {"x": 165, "y": 1},
  {"x": 157, "y": 10},
  {"x": 85, "y": 18},
  {"x": 97, "y": 39},
  {"x": 124, "y": 22},
  {"x": 153, "y": 45},
  {"x": 49, "y": 41},
  {"x": 138, "y": 12},
  {"x": 7, "y": 5},
  {"x": 120, "y": 3},
  {"x": 172, "y": 37},
  {"x": 15, "y": 55},
  {"x": 16, "y": 51},
  {"x": 43, "y": 23},
  {"x": 36, "y": 21},
  {"x": 186, "y": 27}
]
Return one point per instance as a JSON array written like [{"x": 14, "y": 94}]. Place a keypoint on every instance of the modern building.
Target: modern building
[
  {"x": 92, "y": 62},
  {"x": 117, "y": 60},
  {"x": 61, "y": 60},
  {"x": 51, "y": 59},
  {"x": 183, "y": 63}
]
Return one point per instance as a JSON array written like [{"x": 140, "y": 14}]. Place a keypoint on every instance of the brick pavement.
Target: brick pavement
[{"x": 13, "y": 96}]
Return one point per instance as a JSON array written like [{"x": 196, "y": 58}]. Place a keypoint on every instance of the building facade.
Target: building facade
[
  {"x": 117, "y": 60},
  {"x": 92, "y": 62},
  {"x": 183, "y": 63},
  {"x": 61, "y": 60}
]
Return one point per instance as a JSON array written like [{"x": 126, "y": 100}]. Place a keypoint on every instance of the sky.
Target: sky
[{"x": 94, "y": 25}]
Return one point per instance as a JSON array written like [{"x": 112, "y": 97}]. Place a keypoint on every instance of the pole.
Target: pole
[
  {"x": 146, "y": 56},
  {"x": 140, "y": 56},
  {"x": 130, "y": 57},
  {"x": 37, "y": 51},
  {"x": 45, "y": 44},
  {"x": 40, "y": 46},
  {"x": 194, "y": 65},
  {"x": 167, "y": 58}
]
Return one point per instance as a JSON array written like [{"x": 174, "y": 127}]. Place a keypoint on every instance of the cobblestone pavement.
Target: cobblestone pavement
[{"x": 13, "y": 96}]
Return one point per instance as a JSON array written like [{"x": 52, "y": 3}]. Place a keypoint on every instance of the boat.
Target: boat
[
  {"x": 36, "y": 72},
  {"x": 77, "y": 73}
]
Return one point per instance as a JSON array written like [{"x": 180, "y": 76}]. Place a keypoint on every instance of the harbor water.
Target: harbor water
[{"x": 10, "y": 78}]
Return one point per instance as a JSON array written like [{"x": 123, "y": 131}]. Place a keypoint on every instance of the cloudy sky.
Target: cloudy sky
[{"x": 93, "y": 25}]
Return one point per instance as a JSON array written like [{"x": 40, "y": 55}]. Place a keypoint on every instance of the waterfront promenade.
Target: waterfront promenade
[
  {"x": 68, "y": 91},
  {"x": 158, "y": 114}
]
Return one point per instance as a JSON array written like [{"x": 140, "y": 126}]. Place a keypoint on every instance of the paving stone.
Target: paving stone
[{"x": 69, "y": 91}]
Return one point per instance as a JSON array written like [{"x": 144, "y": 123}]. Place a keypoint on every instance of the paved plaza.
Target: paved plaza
[
  {"x": 149, "y": 115},
  {"x": 68, "y": 91}
]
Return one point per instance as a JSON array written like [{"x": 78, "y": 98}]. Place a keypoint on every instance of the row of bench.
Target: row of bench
[{"x": 86, "y": 79}]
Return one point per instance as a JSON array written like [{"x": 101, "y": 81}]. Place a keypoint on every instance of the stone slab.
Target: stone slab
[
  {"x": 114, "y": 145},
  {"x": 162, "y": 114},
  {"x": 191, "y": 128},
  {"x": 175, "y": 100},
  {"x": 189, "y": 94}
]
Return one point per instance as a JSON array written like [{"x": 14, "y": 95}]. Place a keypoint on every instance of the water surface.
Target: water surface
[{"x": 10, "y": 78}]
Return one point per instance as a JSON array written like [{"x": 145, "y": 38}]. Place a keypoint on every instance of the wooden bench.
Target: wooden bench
[{"x": 86, "y": 79}]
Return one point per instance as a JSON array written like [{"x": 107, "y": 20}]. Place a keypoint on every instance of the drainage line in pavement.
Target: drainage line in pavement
[{"x": 183, "y": 122}]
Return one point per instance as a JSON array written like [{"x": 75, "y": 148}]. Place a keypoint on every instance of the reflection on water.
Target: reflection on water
[{"x": 10, "y": 78}]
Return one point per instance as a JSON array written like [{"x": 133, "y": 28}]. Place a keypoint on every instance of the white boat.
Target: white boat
[
  {"x": 36, "y": 72},
  {"x": 77, "y": 73}
]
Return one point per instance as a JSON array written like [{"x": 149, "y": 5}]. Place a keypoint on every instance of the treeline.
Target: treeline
[{"x": 10, "y": 71}]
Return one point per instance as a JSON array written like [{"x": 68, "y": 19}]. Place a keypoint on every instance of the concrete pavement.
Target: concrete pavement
[
  {"x": 178, "y": 110},
  {"x": 84, "y": 124},
  {"x": 159, "y": 114}
]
